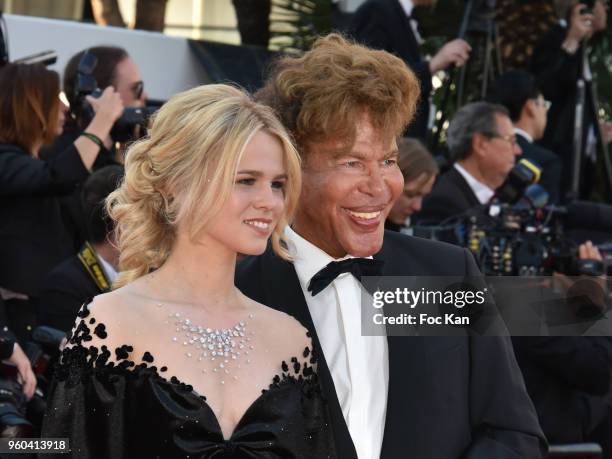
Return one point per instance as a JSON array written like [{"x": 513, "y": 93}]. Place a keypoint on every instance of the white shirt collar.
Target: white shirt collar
[
  {"x": 522, "y": 133},
  {"x": 407, "y": 6},
  {"x": 111, "y": 273},
  {"x": 483, "y": 192},
  {"x": 308, "y": 259}
]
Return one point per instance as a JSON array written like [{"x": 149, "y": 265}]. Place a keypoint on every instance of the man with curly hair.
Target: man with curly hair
[{"x": 389, "y": 397}]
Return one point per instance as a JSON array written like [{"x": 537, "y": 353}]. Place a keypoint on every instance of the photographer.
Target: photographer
[
  {"x": 114, "y": 68},
  {"x": 569, "y": 377},
  {"x": 483, "y": 144},
  {"x": 32, "y": 232},
  {"x": 93, "y": 270},
  {"x": 516, "y": 90},
  {"x": 559, "y": 61}
]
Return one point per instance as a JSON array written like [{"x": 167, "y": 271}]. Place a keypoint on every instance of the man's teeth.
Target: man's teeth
[
  {"x": 257, "y": 224},
  {"x": 364, "y": 215}
]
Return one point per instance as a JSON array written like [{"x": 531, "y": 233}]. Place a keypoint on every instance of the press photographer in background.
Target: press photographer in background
[
  {"x": 420, "y": 170},
  {"x": 86, "y": 73},
  {"x": 32, "y": 231},
  {"x": 569, "y": 377},
  {"x": 483, "y": 146},
  {"x": 560, "y": 64},
  {"x": 112, "y": 66},
  {"x": 516, "y": 90},
  {"x": 93, "y": 270}
]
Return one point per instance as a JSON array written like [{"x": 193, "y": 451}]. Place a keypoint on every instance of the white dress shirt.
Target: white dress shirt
[
  {"x": 111, "y": 273},
  {"x": 523, "y": 134},
  {"x": 359, "y": 365},
  {"x": 482, "y": 191},
  {"x": 408, "y": 6}
]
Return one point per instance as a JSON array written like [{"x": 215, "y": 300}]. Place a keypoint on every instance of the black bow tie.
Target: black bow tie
[{"x": 358, "y": 267}]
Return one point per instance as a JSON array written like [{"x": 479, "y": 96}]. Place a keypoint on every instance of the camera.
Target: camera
[
  {"x": 588, "y": 6},
  {"x": 519, "y": 234},
  {"x": 520, "y": 240},
  {"x": 86, "y": 85},
  {"x": 18, "y": 416}
]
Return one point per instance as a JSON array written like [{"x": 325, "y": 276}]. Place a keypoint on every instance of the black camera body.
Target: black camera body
[
  {"x": 86, "y": 85},
  {"x": 514, "y": 240}
]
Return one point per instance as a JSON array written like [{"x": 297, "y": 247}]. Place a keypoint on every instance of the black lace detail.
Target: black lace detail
[
  {"x": 79, "y": 362},
  {"x": 299, "y": 373}
]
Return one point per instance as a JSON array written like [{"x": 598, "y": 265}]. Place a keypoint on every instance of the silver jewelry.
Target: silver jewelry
[{"x": 222, "y": 346}]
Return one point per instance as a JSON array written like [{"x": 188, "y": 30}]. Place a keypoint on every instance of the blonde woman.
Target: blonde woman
[{"x": 177, "y": 362}]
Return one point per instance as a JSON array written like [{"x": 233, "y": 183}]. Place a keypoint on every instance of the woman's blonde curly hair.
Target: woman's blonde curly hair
[{"x": 184, "y": 171}]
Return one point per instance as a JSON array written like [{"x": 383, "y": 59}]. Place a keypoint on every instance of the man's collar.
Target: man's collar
[
  {"x": 308, "y": 259},
  {"x": 111, "y": 273},
  {"x": 407, "y": 6},
  {"x": 482, "y": 191},
  {"x": 523, "y": 134}
]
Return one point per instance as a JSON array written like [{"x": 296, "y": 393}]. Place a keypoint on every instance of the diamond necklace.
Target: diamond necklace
[{"x": 225, "y": 347}]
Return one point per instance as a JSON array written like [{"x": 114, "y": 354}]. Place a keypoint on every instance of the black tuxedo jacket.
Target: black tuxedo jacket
[
  {"x": 550, "y": 163},
  {"x": 383, "y": 24},
  {"x": 65, "y": 289},
  {"x": 449, "y": 397},
  {"x": 450, "y": 196}
]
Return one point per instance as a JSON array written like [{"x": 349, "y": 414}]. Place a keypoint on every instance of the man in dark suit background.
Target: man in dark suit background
[
  {"x": 559, "y": 61},
  {"x": 483, "y": 146},
  {"x": 388, "y": 25},
  {"x": 516, "y": 90},
  {"x": 93, "y": 269},
  {"x": 389, "y": 397}
]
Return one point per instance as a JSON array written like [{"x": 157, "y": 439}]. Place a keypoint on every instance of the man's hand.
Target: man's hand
[
  {"x": 25, "y": 375},
  {"x": 580, "y": 27},
  {"x": 108, "y": 108},
  {"x": 454, "y": 52},
  {"x": 592, "y": 287}
]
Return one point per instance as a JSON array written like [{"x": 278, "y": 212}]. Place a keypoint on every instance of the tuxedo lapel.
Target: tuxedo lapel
[
  {"x": 406, "y": 38},
  {"x": 398, "y": 353},
  {"x": 463, "y": 185},
  {"x": 283, "y": 291}
]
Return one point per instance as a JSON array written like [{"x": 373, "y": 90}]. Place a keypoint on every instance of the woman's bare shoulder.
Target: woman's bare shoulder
[{"x": 282, "y": 328}]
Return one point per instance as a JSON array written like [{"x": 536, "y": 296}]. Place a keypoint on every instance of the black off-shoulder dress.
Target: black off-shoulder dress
[{"x": 124, "y": 409}]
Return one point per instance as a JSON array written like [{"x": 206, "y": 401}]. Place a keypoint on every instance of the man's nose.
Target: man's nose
[
  {"x": 417, "y": 203},
  {"x": 375, "y": 184}
]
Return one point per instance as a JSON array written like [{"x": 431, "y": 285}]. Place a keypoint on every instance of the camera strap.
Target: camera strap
[{"x": 91, "y": 263}]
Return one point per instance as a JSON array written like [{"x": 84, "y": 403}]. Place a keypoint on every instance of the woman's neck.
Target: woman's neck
[{"x": 198, "y": 273}]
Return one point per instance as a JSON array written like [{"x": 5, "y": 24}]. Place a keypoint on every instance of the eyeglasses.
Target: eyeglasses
[
  {"x": 511, "y": 138},
  {"x": 543, "y": 102},
  {"x": 137, "y": 89}
]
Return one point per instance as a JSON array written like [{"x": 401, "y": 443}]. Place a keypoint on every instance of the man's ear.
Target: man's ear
[
  {"x": 479, "y": 144},
  {"x": 529, "y": 109}
]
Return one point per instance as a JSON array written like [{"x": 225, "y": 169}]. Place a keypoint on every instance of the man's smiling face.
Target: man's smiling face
[{"x": 348, "y": 192}]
